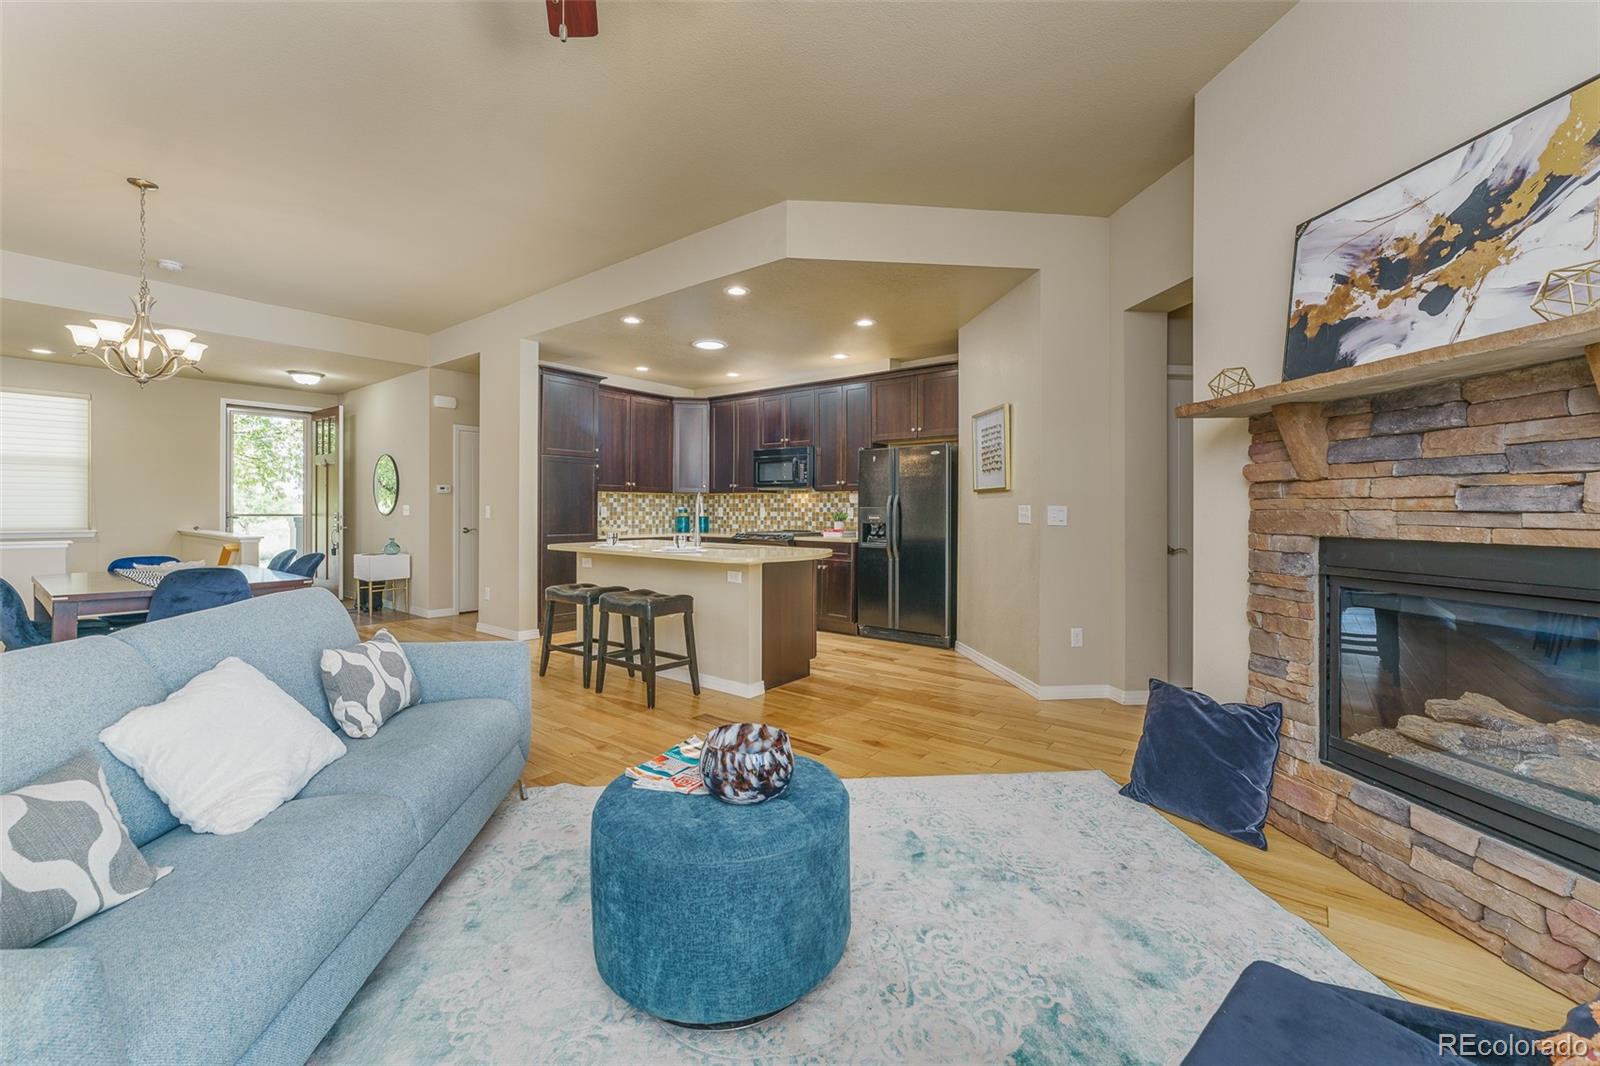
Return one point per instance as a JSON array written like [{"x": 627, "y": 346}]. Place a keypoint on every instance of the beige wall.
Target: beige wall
[
  {"x": 441, "y": 464},
  {"x": 997, "y": 568},
  {"x": 1279, "y": 138},
  {"x": 391, "y": 418},
  {"x": 156, "y": 453}
]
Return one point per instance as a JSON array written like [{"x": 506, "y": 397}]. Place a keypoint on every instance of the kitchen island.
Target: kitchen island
[{"x": 754, "y": 605}]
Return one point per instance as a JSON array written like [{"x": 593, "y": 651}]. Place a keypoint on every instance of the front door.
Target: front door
[{"x": 466, "y": 475}]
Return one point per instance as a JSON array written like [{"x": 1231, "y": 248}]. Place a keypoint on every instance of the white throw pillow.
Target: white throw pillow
[{"x": 225, "y": 750}]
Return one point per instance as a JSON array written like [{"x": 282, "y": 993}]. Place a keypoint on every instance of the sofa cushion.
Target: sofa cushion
[
  {"x": 57, "y": 698},
  {"x": 430, "y": 758},
  {"x": 368, "y": 684},
  {"x": 281, "y": 634},
  {"x": 200, "y": 964}
]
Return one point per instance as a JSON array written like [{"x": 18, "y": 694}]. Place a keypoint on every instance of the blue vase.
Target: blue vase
[{"x": 391, "y": 548}]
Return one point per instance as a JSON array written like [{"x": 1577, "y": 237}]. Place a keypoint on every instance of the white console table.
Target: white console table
[{"x": 377, "y": 572}]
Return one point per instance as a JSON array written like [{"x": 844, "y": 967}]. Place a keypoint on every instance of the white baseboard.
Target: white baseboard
[
  {"x": 716, "y": 684},
  {"x": 431, "y": 612},
  {"x": 1126, "y": 697},
  {"x": 508, "y": 634}
]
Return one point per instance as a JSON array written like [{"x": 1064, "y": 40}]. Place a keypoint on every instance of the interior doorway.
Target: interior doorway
[
  {"x": 1180, "y": 498},
  {"x": 466, "y": 519}
]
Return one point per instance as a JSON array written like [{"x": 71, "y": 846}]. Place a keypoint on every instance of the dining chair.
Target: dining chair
[
  {"x": 17, "y": 630},
  {"x": 229, "y": 555},
  {"x": 306, "y": 565},
  {"x": 198, "y": 589},
  {"x": 281, "y": 560}
]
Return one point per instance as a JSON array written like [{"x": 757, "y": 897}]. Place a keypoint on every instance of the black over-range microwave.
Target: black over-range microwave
[{"x": 783, "y": 468}]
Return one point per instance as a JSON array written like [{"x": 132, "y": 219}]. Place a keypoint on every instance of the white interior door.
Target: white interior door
[
  {"x": 1180, "y": 536},
  {"x": 467, "y": 512}
]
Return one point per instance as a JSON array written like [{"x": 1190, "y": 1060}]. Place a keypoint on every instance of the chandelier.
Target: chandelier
[{"x": 139, "y": 350}]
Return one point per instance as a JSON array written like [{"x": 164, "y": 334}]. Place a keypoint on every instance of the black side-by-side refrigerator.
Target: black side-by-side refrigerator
[{"x": 906, "y": 556}]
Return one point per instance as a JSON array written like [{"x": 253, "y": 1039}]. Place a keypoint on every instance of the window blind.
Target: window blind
[{"x": 44, "y": 462}]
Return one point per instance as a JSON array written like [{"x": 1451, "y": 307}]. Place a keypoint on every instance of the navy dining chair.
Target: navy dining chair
[
  {"x": 17, "y": 630},
  {"x": 197, "y": 589},
  {"x": 127, "y": 562},
  {"x": 281, "y": 560},
  {"x": 306, "y": 565}
]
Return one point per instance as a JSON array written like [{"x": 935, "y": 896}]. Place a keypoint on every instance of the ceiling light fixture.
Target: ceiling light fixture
[
  {"x": 138, "y": 351},
  {"x": 710, "y": 345},
  {"x": 865, "y": 322},
  {"x": 170, "y": 264},
  {"x": 840, "y": 355},
  {"x": 737, "y": 290},
  {"x": 641, "y": 369},
  {"x": 42, "y": 351},
  {"x": 305, "y": 377},
  {"x": 631, "y": 320},
  {"x": 733, "y": 373}
]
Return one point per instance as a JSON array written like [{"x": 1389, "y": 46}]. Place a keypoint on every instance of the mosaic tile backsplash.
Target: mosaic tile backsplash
[{"x": 731, "y": 512}]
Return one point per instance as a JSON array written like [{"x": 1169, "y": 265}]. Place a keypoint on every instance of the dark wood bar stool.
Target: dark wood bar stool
[
  {"x": 583, "y": 596},
  {"x": 646, "y": 605}
]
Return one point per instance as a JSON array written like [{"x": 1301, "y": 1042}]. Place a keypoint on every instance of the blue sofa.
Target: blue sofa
[{"x": 250, "y": 949}]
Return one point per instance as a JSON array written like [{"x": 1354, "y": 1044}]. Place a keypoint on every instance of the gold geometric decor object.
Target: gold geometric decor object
[
  {"x": 1568, "y": 291},
  {"x": 1230, "y": 381}
]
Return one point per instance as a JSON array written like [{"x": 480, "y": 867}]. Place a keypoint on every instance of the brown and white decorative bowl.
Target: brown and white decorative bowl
[{"x": 746, "y": 762}]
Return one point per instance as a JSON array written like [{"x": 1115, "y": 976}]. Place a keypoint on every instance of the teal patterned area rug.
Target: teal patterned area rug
[{"x": 1036, "y": 918}]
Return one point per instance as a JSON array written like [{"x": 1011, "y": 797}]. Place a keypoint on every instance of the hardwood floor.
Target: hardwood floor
[{"x": 875, "y": 709}]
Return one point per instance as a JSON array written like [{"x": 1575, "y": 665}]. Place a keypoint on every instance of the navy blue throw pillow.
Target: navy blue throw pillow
[{"x": 1206, "y": 761}]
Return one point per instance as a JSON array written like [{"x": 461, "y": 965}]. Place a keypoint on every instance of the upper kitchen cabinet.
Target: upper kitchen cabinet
[
  {"x": 735, "y": 435},
  {"x": 691, "y": 446},
  {"x": 635, "y": 441},
  {"x": 569, "y": 415},
  {"x": 918, "y": 406},
  {"x": 788, "y": 419},
  {"x": 843, "y": 428}
]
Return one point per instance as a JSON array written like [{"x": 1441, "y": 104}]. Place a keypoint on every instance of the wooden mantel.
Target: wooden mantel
[{"x": 1544, "y": 342}]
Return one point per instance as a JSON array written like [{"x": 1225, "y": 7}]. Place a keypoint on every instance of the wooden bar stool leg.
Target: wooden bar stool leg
[
  {"x": 627, "y": 641},
  {"x": 647, "y": 659},
  {"x": 688, "y": 644},
  {"x": 600, "y": 667},
  {"x": 544, "y": 645},
  {"x": 588, "y": 643}
]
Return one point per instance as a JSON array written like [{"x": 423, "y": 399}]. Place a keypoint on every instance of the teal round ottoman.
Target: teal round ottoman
[{"x": 716, "y": 916}]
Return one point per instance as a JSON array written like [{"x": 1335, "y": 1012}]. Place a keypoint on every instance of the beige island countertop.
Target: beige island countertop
[
  {"x": 708, "y": 554},
  {"x": 847, "y": 538},
  {"x": 755, "y": 608}
]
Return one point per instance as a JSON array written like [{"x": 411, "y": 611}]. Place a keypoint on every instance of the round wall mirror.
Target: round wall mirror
[{"x": 385, "y": 484}]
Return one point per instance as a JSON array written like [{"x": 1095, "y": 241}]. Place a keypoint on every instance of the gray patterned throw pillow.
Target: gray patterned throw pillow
[
  {"x": 64, "y": 853},
  {"x": 368, "y": 684}
]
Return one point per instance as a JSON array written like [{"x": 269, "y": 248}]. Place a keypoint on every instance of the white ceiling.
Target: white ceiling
[
  {"x": 234, "y": 359},
  {"x": 416, "y": 164},
  {"x": 797, "y": 315}
]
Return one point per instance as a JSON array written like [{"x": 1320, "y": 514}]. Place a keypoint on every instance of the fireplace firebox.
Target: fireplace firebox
[{"x": 1466, "y": 677}]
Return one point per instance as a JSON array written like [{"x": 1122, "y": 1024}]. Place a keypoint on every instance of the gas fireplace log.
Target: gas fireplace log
[
  {"x": 1476, "y": 709},
  {"x": 1576, "y": 774},
  {"x": 1469, "y": 740},
  {"x": 1575, "y": 737}
]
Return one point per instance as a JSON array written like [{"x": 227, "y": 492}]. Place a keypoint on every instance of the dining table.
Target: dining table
[{"x": 85, "y": 593}]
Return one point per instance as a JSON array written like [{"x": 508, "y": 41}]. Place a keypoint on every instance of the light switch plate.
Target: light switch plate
[
  {"x": 1024, "y": 514},
  {"x": 735, "y": 577},
  {"x": 1077, "y": 637},
  {"x": 1056, "y": 515},
  {"x": 405, "y": 510},
  {"x": 585, "y": 562},
  {"x": 486, "y": 511}
]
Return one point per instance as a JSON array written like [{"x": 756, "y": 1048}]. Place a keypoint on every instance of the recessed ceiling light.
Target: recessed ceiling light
[
  {"x": 630, "y": 320},
  {"x": 42, "y": 351},
  {"x": 710, "y": 345},
  {"x": 865, "y": 322},
  {"x": 305, "y": 377},
  {"x": 733, "y": 373},
  {"x": 840, "y": 355},
  {"x": 641, "y": 369},
  {"x": 737, "y": 290}
]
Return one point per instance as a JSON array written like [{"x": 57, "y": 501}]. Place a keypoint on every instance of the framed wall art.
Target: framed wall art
[
  {"x": 991, "y": 449},
  {"x": 1453, "y": 249}
]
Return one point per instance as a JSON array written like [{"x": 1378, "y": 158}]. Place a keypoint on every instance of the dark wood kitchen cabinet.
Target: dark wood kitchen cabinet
[
  {"x": 843, "y": 428},
  {"x": 691, "y": 446},
  {"x": 635, "y": 441},
  {"x": 836, "y": 591},
  {"x": 788, "y": 419},
  {"x": 569, "y": 415},
  {"x": 735, "y": 435},
  {"x": 918, "y": 406},
  {"x": 569, "y": 461}
]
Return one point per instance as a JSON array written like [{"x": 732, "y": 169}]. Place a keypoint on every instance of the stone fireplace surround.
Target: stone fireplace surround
[{"x": 1508, "y": 458}]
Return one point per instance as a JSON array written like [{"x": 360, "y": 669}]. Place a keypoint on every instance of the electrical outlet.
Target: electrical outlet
[
  {"x": 735, "y": 577},
  {"x": 585, "y": 562},
  {"x": 1024, "y": 514},
  {"x": 1077, "y": 637},
  {"x": 486, "y": 594},
  {"x": 1056, "y": 515}
]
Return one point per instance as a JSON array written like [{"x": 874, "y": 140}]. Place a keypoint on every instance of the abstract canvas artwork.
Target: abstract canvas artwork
[{"x": 1454, "y": 249}]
